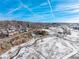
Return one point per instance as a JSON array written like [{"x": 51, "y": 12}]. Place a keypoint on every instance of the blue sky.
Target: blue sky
[{"x": 40, "y": 10}]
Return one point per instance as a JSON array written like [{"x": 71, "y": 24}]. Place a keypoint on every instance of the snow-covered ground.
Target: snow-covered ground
[{"x": 50, "y": 47}]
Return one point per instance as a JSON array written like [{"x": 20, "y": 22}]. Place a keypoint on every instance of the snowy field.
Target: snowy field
[{"x": 61, "y": 43}]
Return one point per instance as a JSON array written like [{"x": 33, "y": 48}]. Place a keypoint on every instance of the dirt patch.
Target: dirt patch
[{"x": 16, "y": 40}]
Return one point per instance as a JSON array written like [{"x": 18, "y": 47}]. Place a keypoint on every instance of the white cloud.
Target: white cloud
[
  {"x": 74, "y": 19},
  {"x": 40, "y": 18},
  {"x": 74, "y": 10},
  {"x": 42, "y": 4},
  {"x": 10, "y": 12},
  {"x": 68, "y": 7},
  {"x": 50, "y": 6},
  {"x": 22, "y": 5}
]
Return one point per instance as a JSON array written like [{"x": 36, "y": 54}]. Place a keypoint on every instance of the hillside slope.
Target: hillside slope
[{"x": 59, "y": 44}]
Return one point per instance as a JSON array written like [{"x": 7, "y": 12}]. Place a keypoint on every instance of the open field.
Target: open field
[{"x": 42, "y": 41}]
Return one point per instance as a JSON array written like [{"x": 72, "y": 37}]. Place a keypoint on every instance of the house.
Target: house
[
  {"x": 23, "y": 30},
  {"x": 4, "y": 33},
  {"x": 13, "y": 30}
]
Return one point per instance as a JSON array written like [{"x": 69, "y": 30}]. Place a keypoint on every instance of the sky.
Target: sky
[{"x": 40, "y": 10}]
